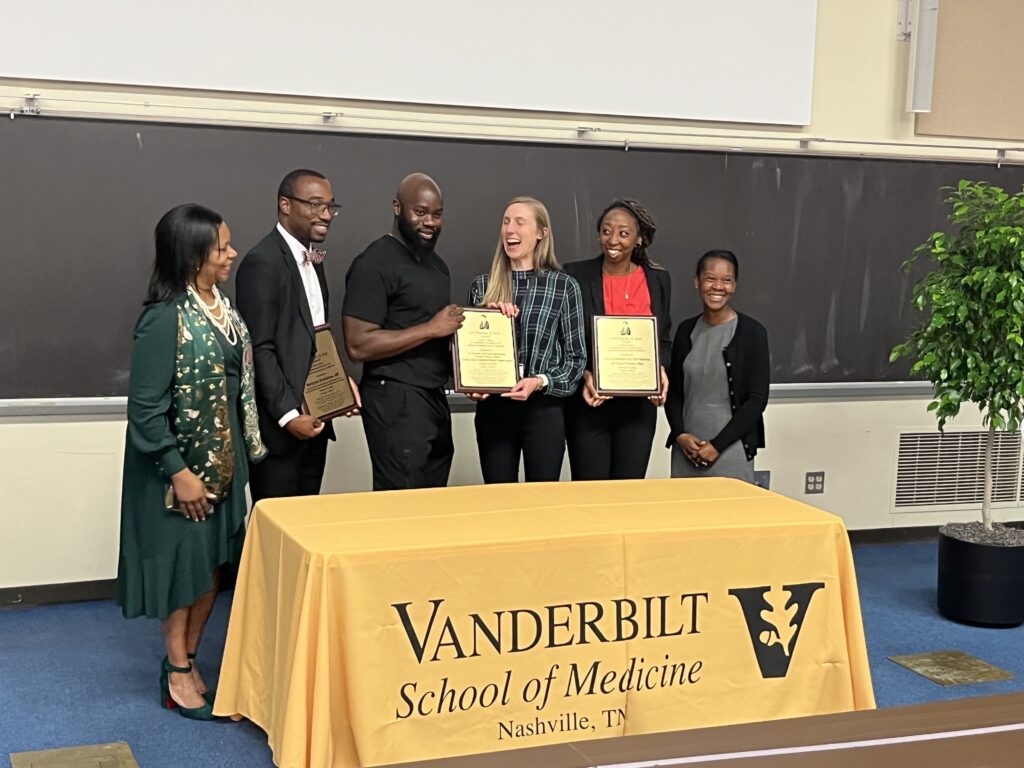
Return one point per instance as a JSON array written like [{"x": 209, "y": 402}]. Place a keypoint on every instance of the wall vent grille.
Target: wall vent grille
[{"x": 937, "y": 469}]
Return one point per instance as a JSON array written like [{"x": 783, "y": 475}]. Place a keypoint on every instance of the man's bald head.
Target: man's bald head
[
  {"x": 418, "y": 210},
  {"x": 413, "y": 185}
]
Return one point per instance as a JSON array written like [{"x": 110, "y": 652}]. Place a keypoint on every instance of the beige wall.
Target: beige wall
[
  {"x": 978, "y": 71},
  {"x": 62, "y": 477},
  {"x": 860, "y": 72}
]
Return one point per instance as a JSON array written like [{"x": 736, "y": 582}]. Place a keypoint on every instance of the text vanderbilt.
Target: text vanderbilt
[{"x": 551, "y": 626}]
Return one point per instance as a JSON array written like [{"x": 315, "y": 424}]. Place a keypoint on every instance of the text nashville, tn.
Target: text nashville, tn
[{"x": 517, "y": 630}]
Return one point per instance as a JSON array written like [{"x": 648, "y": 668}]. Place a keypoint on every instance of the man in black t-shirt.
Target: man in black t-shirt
[{"x": 397, "y": 318}]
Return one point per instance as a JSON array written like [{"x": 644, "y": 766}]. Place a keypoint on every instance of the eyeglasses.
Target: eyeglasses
[{"x": 317, "y": 206}]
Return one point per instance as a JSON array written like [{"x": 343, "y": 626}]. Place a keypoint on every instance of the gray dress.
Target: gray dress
[{"x": 706, "y": 408}]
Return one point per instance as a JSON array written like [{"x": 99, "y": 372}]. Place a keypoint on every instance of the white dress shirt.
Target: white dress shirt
[{"x": 314, "y": 296}]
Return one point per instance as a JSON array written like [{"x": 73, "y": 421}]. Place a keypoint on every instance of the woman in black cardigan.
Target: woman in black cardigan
[
  {"x": 610, "y": 438},
  {"x": 718, "y": 380}
]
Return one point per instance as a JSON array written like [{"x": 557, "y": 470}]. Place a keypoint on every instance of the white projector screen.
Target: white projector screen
[{"x": 730, "y": 60}]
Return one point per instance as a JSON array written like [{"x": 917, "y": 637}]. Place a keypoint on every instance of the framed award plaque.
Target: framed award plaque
[
  {"x": 327, "y": 392},
  {"x": 626, "y": 360},
  {"x": 484, "y": 356}
]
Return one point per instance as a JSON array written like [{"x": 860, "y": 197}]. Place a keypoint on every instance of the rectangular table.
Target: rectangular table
[{"x": 380, "y": 628}]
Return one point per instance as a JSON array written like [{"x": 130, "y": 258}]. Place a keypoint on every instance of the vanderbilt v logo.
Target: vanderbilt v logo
[{"x": 774, "y": 619}]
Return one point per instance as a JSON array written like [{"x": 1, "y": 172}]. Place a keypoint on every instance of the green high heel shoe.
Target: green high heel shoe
[
  {"x": 210, "y": 693},
  {"x": 204, "y": 712}
]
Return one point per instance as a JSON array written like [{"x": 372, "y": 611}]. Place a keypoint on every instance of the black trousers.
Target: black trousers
[
  {"x": 409, "y": 434},
  {"x": 612, "y": 441},
  {"x": 296, "y": 472},
  {"x": 534, "y": 429}
]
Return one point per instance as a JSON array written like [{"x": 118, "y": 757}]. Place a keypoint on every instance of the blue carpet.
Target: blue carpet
[
  {"x": 897, "y": 598},
  {"x": 80, "y": 674}
]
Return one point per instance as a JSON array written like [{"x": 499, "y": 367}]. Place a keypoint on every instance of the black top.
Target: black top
[
  {"x": 748, "y": 370},
  {"x": 389, "y": 286},
  {"x": 659, "y": 285}
]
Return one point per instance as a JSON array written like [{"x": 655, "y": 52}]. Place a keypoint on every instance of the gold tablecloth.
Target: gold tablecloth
[{"x": 377, "y": 628}]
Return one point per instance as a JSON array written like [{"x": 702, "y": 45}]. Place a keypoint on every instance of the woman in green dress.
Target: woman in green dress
[{"x": 191, "y": 428}]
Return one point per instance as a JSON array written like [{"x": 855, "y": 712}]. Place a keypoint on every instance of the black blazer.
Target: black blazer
[
  {"x": 748, "y": 369},
  {"x": 588, "y": 274},
  {"x": 272, "y": 299}
]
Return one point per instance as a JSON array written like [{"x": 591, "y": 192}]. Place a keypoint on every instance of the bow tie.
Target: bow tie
[{"x": 314, "y": 256}]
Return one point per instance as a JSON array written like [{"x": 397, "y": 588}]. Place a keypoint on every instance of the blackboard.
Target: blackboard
[{"x": 820, "y": 240}]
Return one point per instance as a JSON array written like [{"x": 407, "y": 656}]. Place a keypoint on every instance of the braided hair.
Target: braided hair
[{"x": 645, "y": 227}]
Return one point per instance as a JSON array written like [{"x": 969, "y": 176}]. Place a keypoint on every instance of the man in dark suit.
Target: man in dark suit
[{"x": 281, "y": 291}]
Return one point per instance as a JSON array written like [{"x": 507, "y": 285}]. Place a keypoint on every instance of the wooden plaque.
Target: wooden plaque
[
  {"x": 327, "y": 392},
  {"x": 626, "y": 359},
  {"x": 484, "y": 355}
]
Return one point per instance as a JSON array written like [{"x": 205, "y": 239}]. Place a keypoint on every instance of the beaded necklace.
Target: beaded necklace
[{"x": 218, "y": 314}]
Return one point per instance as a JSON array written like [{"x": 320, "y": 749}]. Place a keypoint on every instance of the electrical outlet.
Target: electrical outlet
[
  {"x": 763, "y": 478},
  {"x": 814, "y": 482}
]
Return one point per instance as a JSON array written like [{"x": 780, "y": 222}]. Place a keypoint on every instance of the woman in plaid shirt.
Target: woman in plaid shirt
[{"x": 527, "y": 283}]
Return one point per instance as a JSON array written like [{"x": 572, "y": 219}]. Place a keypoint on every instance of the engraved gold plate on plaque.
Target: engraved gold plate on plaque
[
  {"x": 327, "y": 392},
  {"x": 484, "y": 357},
  {"x": 626, "y": 362}
]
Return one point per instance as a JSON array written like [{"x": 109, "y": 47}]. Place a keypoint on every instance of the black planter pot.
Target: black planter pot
[{"x": 981, "y": 583}]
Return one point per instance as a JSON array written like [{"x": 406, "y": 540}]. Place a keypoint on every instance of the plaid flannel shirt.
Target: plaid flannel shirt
[{"x": 549, "y": 328}]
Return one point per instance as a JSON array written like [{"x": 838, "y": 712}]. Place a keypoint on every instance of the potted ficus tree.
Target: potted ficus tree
[{"x": 970, "y": 346}]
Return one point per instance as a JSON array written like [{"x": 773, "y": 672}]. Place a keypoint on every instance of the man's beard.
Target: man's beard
[{"x": 412, "y": 238}]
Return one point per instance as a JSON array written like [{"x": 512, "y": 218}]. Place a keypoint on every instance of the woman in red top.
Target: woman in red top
[{"x": 610, "y": 438}]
